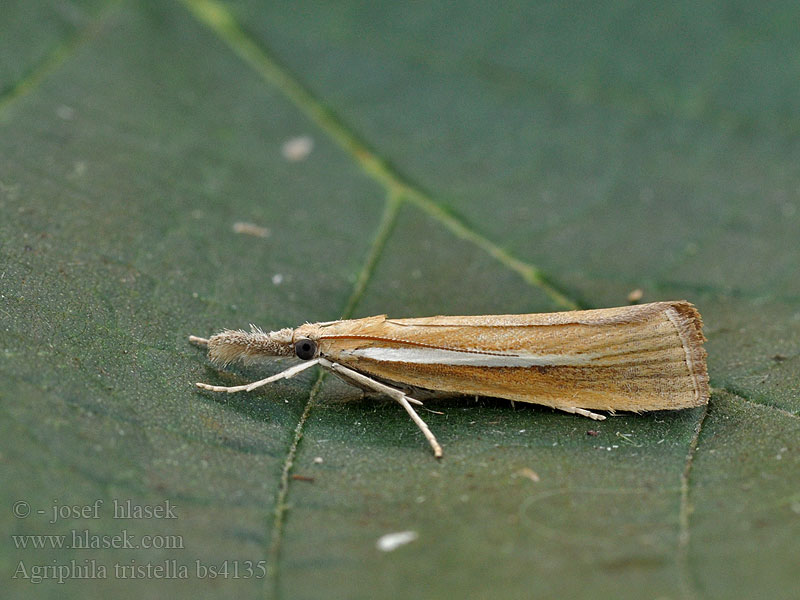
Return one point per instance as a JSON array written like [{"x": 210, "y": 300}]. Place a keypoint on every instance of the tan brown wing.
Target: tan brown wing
[{"x": 646, "y": 357}]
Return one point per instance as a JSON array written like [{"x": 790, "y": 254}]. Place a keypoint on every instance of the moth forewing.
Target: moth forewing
[
  {"x": 632, "y": 358},
  {"x": 637, "y": 358}
]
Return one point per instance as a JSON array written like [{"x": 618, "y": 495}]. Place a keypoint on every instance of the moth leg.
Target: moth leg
[
  {"x": 583, "y": 412},
  {"x": 198, "y": 340},
  {"x": 287, "y": 374},
  {"x": 394, "y": 394},
  {"x": 365, "y": 389},
  {"x": 371, "y": 386}
]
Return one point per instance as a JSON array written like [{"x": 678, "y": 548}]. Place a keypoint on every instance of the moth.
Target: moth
[{"x": 631, "y": 358}]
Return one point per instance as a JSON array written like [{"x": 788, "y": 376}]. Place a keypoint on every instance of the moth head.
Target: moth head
[{"x": 306, "y": 344}]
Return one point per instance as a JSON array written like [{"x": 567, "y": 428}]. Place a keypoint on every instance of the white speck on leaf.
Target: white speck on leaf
[
  {"x": 78, "y": 169},
  {"x": 529, "y": 474},
  {"x": 297, "y": 148},
  {"x": 392, "y": 541},
  {"x": 251, "y": 229},
  {"x": 65, "y": 112}
]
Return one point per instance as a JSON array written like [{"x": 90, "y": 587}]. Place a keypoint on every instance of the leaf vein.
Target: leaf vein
[
  {"x": 55, "y": 59},
  {"x": 216, "y": 16},
  {"x": 742, "y": 396},
  {"x": 380, "y": 238},
  {"x": 687, "y": 584}
]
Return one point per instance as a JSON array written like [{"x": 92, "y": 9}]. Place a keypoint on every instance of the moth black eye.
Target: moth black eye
[{"x": 305, "y": 349}]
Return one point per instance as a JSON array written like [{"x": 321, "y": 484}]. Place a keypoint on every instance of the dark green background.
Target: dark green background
[{"x": 469, "y": 157}]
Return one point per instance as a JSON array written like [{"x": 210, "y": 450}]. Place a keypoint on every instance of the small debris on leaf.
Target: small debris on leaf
[
  {"x": 297, "y": 148},
  {"x": 392, "y": 541},
  {"x": 635, "y": 295},
  {"x": 529, "y": 473},
  {"x": 251, "y": 229}
]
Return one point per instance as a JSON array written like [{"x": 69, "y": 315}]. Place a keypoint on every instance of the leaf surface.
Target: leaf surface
[{"x": 465, "y": 159}]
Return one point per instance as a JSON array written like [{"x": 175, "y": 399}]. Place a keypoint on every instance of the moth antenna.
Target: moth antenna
[{"x": 198, "y": 341}]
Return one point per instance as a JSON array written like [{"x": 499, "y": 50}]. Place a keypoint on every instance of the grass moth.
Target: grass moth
[{"x": 631, "y": 358}]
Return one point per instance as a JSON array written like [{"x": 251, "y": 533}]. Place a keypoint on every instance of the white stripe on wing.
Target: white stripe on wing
[{"x": 441, "y": 356}]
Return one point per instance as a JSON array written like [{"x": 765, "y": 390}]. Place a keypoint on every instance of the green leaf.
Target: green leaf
[{"x": 465, "y": 159}]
